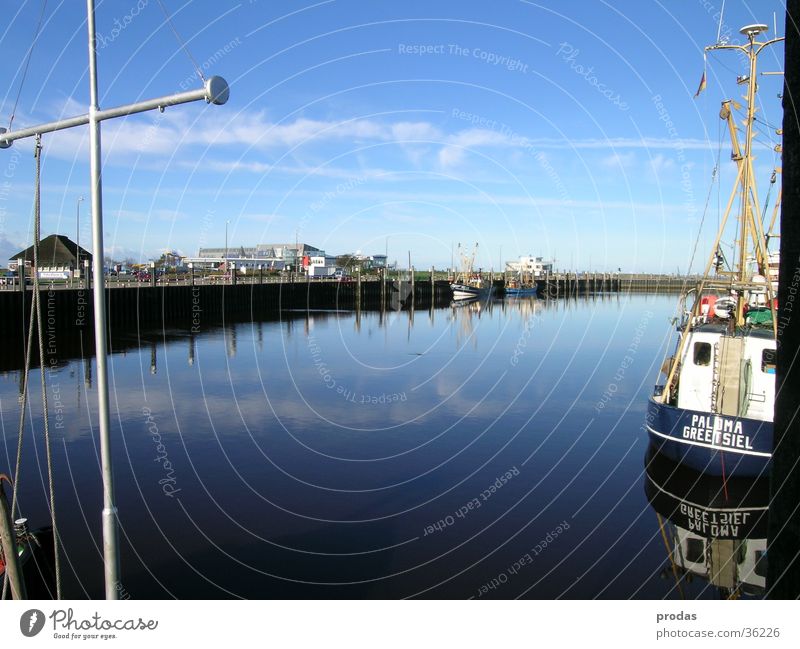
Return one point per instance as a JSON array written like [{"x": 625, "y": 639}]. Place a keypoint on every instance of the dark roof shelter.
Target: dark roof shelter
[{"x": 54, "y": 251}]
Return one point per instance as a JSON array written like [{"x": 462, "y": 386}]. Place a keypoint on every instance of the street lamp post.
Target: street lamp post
[
  {"x": 226, "y": 248},
  {"x": 78, "y": 235}
]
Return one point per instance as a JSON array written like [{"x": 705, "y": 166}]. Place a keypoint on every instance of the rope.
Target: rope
[
  {"x": 37, "y": 299},
  {"x": 23, "y": 407},
  {"x": 181, "y": 44},
  {"x": 25, "y": 70},
  {"x": 702, "y": 220}
]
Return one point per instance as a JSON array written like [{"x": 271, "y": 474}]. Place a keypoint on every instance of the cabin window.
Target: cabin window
[
  {"x": 695, "y": 550},
  {"x": 768, "y": 361},
  {"x": 702, "y": 353},
  {"x": 761, "y": 564}
]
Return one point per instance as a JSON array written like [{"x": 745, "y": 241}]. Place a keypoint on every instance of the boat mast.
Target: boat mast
[
  {"x": 214, "y": 91},
  {"x": 110, "y": 545},
  {"x": 749, "y": 223}
]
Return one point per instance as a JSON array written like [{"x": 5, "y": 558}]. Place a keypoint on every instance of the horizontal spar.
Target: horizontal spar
[{"x": 214, "y": 91}]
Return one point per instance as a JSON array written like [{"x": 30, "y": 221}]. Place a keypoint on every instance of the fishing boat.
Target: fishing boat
[
  {"x": 468, "y": 284},
  {"x": 714, "y": 409},
  {"x": 517, "y": 288},
  {"x": 713, "y": 530}
]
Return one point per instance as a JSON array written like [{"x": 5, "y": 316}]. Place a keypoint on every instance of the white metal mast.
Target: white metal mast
[{"x": 214, "y": 91}]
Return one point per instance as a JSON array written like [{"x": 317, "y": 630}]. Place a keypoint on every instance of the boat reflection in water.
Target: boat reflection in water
[{"x": 713, "y": 530}]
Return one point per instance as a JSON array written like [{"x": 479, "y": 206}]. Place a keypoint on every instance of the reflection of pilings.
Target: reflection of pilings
[
  {"x": 260, "y": 336},
  {"x": 358, "y": 289},
  {"x": 191, "y": 350},
  {"x": 153, "y": 359},
  {"x": 230, "y": 340}
]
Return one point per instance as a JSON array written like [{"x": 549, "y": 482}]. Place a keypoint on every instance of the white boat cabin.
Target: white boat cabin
[
  {"x": 726, "y": 374},
  {"x": 725, "y": 563}
]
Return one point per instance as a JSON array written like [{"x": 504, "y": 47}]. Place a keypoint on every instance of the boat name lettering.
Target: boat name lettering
[
  {"x": 714, "y": 524},
  {"x": 719, "y": 431}
]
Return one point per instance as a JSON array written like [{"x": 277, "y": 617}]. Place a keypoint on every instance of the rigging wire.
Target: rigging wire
[
  {"x": 181, "y": 43},
  {"x": 37, "y": 300},
  {"x": 705, "y": 209},
  {"x": 28, "y": 57},
  {"x": 36, "y": 314}
]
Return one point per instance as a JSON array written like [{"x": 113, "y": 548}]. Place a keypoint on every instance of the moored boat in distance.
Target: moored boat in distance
[
  {"x": 469, "y": 285},
  {"x": 714, "y": 410}
]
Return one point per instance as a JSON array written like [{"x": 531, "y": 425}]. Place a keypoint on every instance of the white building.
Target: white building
[
  {"x": 535, "y": 266},
  {"x": 320, "y": 265}
]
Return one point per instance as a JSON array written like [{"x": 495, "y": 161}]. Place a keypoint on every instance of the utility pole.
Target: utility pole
[{"x": 78, "y": 234}]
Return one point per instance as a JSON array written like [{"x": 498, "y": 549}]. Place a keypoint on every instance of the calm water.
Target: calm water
[{"x": 493, "y": 452}]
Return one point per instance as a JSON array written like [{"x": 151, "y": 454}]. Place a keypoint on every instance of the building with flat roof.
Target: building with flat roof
[
  {"x": 275, "y": 256},
  {"x": 535, "y": 266}
]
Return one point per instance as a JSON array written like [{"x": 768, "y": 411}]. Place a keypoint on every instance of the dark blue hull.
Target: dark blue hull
[
  {"x": 712, "y": 444},
  {"x": 520, "y": 292}
]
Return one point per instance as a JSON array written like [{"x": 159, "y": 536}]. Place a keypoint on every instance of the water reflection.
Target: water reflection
[
  {"x": 294, "y": 485},
  {"x": 714, "y": 530}
]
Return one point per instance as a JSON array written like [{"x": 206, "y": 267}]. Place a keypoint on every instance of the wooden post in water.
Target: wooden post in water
[
  {"x": 783, "y": 537},
  {"x": 383, "y": 287},
  {"x": 413, "y": 295}
]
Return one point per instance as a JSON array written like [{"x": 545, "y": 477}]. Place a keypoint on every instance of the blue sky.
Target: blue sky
[{"x": 528, "y": 127}]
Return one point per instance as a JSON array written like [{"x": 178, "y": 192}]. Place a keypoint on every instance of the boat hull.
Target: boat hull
[
  {"x": 704, "y": 504},
  {"x": 520, "y": 292},
  {"x": 467, "y": 292},
  {"x": 710, "y": 443}
]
